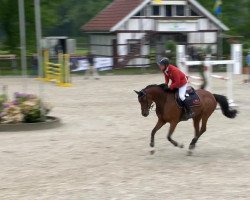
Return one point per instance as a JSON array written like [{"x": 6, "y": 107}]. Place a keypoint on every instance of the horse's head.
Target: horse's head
[{"x": 146, "y": 102}]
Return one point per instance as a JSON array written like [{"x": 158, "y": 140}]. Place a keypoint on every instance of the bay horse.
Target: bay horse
[{"x": 167, "y": 110}]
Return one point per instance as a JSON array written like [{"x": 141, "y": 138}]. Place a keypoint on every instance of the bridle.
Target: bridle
[{"x": 149, "y": 107}]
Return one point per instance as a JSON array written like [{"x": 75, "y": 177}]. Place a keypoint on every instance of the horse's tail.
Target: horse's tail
[{"x": 226, "y": 110}]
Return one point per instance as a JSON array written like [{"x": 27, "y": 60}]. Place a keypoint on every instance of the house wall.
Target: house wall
[
  {"x": 123, "y": 40},
  {"x": 101, "y": 44},
  {"x": 195, "y": 29},
  {"x": 176, "y": 25},
  {"x": 138, "y": 62},
  {"x": 139, "y": 24}
]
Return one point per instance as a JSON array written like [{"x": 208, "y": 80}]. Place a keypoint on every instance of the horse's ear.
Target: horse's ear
[{"x": 137, "y": 92}]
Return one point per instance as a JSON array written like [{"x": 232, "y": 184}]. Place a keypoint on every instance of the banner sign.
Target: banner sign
[{"x": 100, "y": 63}]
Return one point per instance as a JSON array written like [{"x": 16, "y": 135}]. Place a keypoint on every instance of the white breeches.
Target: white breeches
[{"x": 182, "y": 92}]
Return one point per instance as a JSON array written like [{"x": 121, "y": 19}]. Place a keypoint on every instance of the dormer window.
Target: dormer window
[
  {"x": 138, "y": 14},
  {"x": 180, "y": 10},
  {"x": 156, "y": 10},
  {"x": 141, "y": 13},
  {"x": 193, "y": 13},
  {"x": 168, "y": 10}
]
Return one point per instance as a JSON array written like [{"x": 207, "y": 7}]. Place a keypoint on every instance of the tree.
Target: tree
[
  {"x": 73, "y": 14},
  {"x": 9, "y": 21}
]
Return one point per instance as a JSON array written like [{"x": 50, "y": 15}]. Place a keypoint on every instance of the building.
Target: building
[{"x": 130, "y": 30}]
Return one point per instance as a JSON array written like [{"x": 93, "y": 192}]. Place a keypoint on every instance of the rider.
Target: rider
[{"x": 179, "y": 81}]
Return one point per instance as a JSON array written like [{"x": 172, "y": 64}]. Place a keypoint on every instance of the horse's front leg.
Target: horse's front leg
[
  {"x": 170, "y": 132},
  {"x": 155, "y": 129}
]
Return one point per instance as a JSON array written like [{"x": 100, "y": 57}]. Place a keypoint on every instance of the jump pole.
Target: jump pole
[{"x": 233, "y": 66}]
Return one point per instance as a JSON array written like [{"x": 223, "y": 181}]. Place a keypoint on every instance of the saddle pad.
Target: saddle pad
[{"x": 192, "y": 98}]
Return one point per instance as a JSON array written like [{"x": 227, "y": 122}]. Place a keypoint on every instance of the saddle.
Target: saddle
[{"x": 192, "y": 98}]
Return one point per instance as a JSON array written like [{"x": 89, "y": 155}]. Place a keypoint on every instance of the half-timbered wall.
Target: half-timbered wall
[{"x": 101, "y": 44}]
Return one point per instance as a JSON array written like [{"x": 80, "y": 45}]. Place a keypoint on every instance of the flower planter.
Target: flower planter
[{"x": 50, "y": 122}]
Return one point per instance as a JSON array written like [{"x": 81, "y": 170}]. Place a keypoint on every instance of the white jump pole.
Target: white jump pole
[
  {"x": 181, "y": 58},
  {"x": 236, "y": 55},
  {"x": 208, "y": 72},
  {"x": 230, "y": 83},
  {"x": 234, "y": 66}
]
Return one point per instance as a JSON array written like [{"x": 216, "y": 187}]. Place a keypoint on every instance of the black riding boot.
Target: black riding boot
[{"x": 190, "y": 113}]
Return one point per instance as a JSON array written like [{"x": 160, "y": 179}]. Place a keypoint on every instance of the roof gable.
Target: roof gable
[
  {"x": 113, "y": 14},
  {"x": 119, "y": 11}
]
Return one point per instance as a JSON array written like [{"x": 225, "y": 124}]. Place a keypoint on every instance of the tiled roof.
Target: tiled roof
[{"x": 111, "y": 15}]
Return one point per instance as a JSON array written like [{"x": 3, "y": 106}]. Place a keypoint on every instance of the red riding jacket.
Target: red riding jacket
[{"x": 177, "y": 77}]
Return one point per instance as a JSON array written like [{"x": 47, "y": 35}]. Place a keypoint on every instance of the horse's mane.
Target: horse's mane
[
  {"x": 162, "y": 86},
  {"x": 152, "y": 85}
]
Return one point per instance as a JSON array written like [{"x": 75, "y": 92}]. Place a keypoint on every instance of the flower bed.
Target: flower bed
[{"x": 24, "y": 108}]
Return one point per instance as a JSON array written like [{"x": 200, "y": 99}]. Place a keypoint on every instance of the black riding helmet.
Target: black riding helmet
[{"x": 164, "y": 62}]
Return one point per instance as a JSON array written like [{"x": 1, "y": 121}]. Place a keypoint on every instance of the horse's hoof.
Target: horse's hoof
[
  {"x": 181, "y": 146},
  {"x": 152, "y": 152},
  {"x": 191, "y": 147},
  {"x": 189, "y": 153},
  {"x": 151, "y": 144}
]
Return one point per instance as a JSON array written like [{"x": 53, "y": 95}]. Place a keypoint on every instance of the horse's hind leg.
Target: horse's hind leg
[
  {"x": 196, "y": 122},
  {"x": 170, "y": 132},
  {"x": 198, "y": 132},
  {"x": 203, "y": 126}
]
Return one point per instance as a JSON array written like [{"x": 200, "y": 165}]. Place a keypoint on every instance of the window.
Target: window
[
  {"x": 180, "y": 10},
  {"x": 156, "y": 10},
  {"x": 138, "y": 14},
  {"x": 134, "y": 46},
  {"x": 193, "y": 13},
  {"x": 141, "y": 13},
  {"x": 168, "y": 10}
]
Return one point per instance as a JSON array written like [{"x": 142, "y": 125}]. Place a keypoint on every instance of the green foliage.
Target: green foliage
[
  {"x": 234, "y": 15},
  {"x": 72, "y": 14},
  {"x": 9, "y": 22},
  {"x": 171, "y": 50},
  {"x": 33, "y": 116},
  {"x": 3, "y": 99}
]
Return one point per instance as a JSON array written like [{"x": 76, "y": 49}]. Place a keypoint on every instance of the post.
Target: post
[
  {"x": 22, "y": 41},
  {"x": 66, "y": 71},
  {"x": 46, "y": 65},
  {"x": 180, "y": 58},
  {"x": 39, "y": 52},
  {"x": 38, "y": 37},
  {"x": 67, "y": 68},
  {"x": 230, "y": 83},
  {"x": 236, "y": 55},
  {"x": 61, "y": 73},
  {"x": 208, "y": 72}
]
